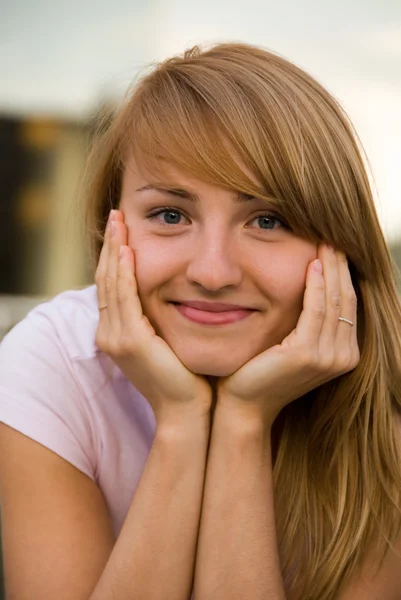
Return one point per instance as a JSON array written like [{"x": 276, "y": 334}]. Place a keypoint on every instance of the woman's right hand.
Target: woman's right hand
[{"x": 125, "y": 334}]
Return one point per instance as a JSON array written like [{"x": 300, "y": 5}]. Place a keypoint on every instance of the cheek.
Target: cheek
[
  {"x": 284, "y": 287},
  {"x": 154, "y": 263},
  {"x": 284, "y": 281}
]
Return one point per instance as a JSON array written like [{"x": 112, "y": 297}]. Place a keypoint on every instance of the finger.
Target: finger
[
  {"x": 130, "y": 306},
  {"x": 118, "y": 236},
  {"x": 118, "y": 215},
  {"x": 333, "y": 299},
  {"x": 346, "y": 334},
  {"x": 314, "y": 306},
  {"x": 100, "y": 275}
]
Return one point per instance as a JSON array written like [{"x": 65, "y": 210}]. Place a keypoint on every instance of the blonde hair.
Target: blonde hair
[{"x": 337, "y": 458}]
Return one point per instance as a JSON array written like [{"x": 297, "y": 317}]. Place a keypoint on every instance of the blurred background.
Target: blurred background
[{"x": 60, "y": 63}]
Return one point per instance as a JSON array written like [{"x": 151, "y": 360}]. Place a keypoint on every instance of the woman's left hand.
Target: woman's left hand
[{"x": 320, "y": 348}]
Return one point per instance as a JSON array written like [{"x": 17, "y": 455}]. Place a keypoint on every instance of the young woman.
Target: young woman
[{"x": 220, "y": 413}]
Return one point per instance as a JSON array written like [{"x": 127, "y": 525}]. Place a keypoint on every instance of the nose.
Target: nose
[{"x": 214, "y": 263}]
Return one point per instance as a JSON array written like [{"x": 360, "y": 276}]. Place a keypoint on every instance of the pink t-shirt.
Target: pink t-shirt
[{"x": 59, "y": 389}]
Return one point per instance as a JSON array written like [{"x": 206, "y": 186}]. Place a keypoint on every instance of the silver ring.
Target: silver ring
[
  {"x": 346, "y": 321},
  {"x": 102, "y": 307}
]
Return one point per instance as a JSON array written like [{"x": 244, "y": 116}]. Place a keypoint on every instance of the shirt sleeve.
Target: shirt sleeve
[{"x": 39, "y": 392}]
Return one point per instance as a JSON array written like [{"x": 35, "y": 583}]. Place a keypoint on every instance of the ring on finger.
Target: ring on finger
[{"x": 346, "y": 321}]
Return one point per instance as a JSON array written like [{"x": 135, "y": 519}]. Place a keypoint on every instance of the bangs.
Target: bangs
[
  {"x": 174, "y": 121},
  {"x": 187, "y": 134},
  {"x": 259, "y": 128}
]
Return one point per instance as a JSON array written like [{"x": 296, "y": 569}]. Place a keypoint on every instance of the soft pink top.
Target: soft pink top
[{"x": 54, "y": 388}]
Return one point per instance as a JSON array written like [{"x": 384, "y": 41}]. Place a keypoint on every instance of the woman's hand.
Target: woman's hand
[
  {"x": 319, "y": 349},
  {"x": 125, "y": 334}
]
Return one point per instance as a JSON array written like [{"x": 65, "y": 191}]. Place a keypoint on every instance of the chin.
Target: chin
[{"x": 213, "y": 368}]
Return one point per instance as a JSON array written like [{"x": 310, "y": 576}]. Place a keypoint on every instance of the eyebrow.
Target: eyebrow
[{"x": 191, "y": 196}]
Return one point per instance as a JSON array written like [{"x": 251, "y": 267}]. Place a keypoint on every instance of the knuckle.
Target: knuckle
[
  {"x": 110, "y": 344},
  {"x": 326, "y": 362},
  {"x": 307, "y": 358},
  {"x": 115, "y": 348},
  {"x": 351, "y": 298},
  {"x": 319, "y": 312},
  {"x": 355, "y": 357},
  {"x": 126, "y": 344},
  {"x": 99, "y": 275},
  {"x": 101, "y": 340},
  {"x": 120, "y": 288},
  {"x": 109, "y": 283},
  {"x": 335, "y": 301},
  {"x": 343, "y": 361}
]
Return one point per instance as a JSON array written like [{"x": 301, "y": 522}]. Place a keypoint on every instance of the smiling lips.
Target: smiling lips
[{"x": 212, "y": 313}]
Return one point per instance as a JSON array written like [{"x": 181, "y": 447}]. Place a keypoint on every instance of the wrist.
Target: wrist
[
  {"x": 245, "y": 416},
  {"x": 241, "y": 435},
  {"x": 183, "y": 424}
]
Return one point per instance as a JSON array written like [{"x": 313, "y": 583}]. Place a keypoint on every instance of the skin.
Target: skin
[
  {"x": 291, "y": 343},
  {"x": 218, "y": 251}
]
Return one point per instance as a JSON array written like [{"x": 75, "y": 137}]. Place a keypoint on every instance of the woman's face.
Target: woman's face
[{"x": 209, "y": 247}]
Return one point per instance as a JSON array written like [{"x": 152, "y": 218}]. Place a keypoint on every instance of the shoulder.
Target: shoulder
[
  {"x": 74, "y": 316},
  {"x": 42, "y": 394},
  {"x": 51, "y": 356},
  {"x": 68, "y": 321}
]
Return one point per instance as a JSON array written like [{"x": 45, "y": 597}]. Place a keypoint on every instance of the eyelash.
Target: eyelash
[{"x": 164, "y": 209}]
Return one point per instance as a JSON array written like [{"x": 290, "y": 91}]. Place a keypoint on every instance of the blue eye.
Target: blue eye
[
  {"x": 172, "y": 216},
  {"x": 270, "y": 221}
]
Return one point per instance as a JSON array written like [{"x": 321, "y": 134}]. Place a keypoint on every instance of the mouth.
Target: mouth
[{"x": 206, "y": 317}]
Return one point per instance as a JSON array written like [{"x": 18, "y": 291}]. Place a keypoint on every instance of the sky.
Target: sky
[{"x": 64, "y": 59}]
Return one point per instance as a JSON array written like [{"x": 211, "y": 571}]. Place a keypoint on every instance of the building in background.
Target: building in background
[
  {"x": 41, "y": 241},
  {"x": 41, "y": 251}
]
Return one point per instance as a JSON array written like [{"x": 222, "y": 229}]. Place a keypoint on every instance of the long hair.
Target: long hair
[{"x": 336, "y": 451}]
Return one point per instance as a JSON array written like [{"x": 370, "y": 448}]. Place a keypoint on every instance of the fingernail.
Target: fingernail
[
  {"x": 317, "y": 266},
  {"x": 113, "y": 228}
]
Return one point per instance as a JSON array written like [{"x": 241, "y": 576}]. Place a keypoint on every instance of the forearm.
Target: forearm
[
  {"x": 155, "y": 551},
  {"x": 237, "y": 555}
]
